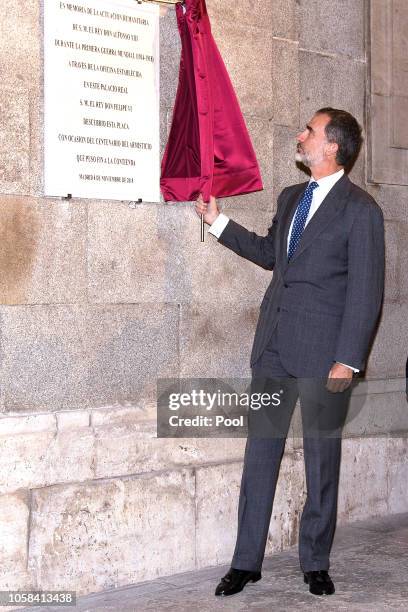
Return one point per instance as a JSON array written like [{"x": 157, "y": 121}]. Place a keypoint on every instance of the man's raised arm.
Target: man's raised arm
[{"x": 258, "y": 249}]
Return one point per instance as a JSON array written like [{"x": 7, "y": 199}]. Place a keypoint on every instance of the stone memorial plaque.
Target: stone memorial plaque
[{"x": 101, "y": 99}]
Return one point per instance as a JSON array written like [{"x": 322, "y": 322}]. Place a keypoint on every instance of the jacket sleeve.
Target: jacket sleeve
[
  {"x": 365, "y": 286},
  {"x": 261, "y": 250}
]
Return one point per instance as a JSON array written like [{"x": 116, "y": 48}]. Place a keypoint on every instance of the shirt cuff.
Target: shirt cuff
[
  {"x": 347, "y": 366},
  {"x": 219, "y": 225}
]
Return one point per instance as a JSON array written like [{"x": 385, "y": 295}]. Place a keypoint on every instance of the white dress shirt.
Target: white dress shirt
[{"x": 325, "y": 185}]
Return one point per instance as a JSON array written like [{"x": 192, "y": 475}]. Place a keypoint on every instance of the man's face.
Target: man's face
[{"x": 312, "y": 144}]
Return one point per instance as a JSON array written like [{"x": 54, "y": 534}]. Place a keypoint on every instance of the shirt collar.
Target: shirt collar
[{"x": 327, "y": 182}]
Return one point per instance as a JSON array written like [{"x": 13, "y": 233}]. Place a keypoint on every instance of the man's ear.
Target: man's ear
[{"x": 331, "y": 149}]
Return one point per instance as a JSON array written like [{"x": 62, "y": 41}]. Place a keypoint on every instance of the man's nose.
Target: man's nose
[{"x": 300, "y": 137}]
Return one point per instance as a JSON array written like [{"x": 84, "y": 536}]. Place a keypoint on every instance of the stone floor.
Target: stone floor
[{"x": 369, "y": 565}]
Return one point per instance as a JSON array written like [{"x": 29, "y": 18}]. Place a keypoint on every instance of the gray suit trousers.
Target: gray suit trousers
[{"x": 263, "y": 454}]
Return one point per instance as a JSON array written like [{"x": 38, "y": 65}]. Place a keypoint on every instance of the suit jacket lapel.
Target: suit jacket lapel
[{"x": 326, "y": 212}]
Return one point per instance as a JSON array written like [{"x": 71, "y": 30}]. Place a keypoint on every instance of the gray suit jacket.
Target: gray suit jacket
[{"x": 328, "y": 298}]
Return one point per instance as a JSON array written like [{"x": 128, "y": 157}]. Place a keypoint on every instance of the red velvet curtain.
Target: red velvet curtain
[{"x": 209, "y": 150}]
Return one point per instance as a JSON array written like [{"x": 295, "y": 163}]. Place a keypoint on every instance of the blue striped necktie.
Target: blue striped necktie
[{"x": 300, "y": 218}]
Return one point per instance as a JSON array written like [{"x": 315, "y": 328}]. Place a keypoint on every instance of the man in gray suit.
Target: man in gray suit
[{"x": 316, "y": 322}]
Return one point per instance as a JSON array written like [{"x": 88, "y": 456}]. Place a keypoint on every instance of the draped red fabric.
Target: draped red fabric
[{"x": 209, "y": 150}]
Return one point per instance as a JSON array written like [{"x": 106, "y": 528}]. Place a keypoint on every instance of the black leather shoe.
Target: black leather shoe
[
  {"x": 319, "y": 582},
  {"x": 235, "y": 580}
]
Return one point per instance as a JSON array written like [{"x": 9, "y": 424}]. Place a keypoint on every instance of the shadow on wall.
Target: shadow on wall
[{"x": 18, "y": 239}]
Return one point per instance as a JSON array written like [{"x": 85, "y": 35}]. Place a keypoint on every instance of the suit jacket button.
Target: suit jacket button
[
  {"x": 286, "y": 286},
  {"x": 278, "y": 310}
]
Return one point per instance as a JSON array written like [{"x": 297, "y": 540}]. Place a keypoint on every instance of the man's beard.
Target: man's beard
[
  {"x": 302, "y": 158},
  {"x": 306, "y": 159}
]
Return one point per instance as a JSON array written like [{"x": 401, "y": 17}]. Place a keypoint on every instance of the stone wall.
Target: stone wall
[{"x": 98, "y": 299}]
